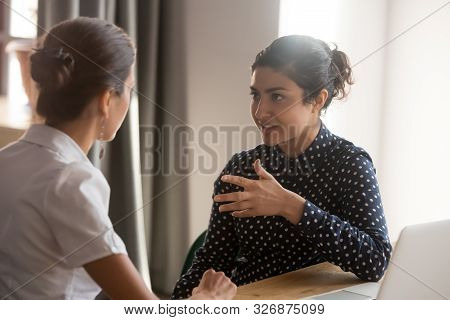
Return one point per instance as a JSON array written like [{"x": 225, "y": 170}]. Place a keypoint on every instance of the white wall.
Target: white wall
[
  {"x": 223, "y": 38},
  {"x": 360, "y": 30},
  {"x": 415, "y": 147}
]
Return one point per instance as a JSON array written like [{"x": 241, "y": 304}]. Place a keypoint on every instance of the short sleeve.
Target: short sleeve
[{"x": 76, "y": 209}]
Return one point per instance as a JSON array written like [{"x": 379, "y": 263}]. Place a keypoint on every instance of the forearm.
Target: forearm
[
  {"x": 187, "y": 282},
  {"x": 118, "y": 278},
  {"x": 203, "y": 261},
  {"x": 218, "y": 252}
]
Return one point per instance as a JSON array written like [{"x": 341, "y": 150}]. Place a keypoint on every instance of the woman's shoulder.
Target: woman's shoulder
[
  {"x": 79, "y": 172},
  {"x": 69, "y": 179},
  {"x": 243, "y": 161},
  {"x": 344, "y": 151}
]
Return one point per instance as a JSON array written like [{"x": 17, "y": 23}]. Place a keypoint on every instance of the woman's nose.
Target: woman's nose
[{"x": 263, "y": 111}]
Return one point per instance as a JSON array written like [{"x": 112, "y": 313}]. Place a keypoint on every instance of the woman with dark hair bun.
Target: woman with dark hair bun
[
  {"x": 56, "y": 239},
  {"x": 305, "y": 195}
]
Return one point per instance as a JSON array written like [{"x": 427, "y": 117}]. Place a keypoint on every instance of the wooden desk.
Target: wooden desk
[{"x": 303, "y": 283}]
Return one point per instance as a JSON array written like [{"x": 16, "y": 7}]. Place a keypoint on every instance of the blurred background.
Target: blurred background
[{"x": 193, "y": 70}]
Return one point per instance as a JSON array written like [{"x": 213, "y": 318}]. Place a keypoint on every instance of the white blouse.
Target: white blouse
[{"x": 53, "y": 218}]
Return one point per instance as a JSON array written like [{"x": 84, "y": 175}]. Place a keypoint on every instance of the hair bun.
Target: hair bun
[
  {"x": 341, "y": 73},
  {"x": 52, "y": 68}
]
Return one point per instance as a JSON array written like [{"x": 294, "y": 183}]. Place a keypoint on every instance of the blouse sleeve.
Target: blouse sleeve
[
  {"x": 76, "y": 209},
  {"x": 219, "y": 249},
  {"x": 354, "y": 236}
]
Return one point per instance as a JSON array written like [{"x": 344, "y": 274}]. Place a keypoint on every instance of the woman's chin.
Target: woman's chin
[
  {"x": 110, "y": 138},
  {"x": 272, "y": 136},
  {"x": 270, "y": 141}
]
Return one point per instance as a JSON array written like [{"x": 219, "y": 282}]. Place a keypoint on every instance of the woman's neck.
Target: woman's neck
[
  {"x": 83, "y": 133},
  {"x": 296, "y": 146}
]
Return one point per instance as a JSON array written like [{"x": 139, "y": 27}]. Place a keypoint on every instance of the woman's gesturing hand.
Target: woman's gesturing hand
[
  {"x": 263, "y": 197},
  {"x": 214, "y": 286}
]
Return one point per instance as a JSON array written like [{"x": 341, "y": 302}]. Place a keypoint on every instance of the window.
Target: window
[{"x": 17, "y": 31}]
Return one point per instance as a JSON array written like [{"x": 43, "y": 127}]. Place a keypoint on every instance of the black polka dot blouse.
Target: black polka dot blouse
[{"x": 343, "y": 220}]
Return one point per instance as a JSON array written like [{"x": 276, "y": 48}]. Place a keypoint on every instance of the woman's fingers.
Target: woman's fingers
[
  {"x": 244, "y": 213},
  {"x": 235, "y": 206},
  {"x": 260, "y": 197},
  {"x": 238, "y": 180},
  {"x": 233, "y": 196},
  {"x": 260, "y": 171},
  {"x": 215, "y": 285}
]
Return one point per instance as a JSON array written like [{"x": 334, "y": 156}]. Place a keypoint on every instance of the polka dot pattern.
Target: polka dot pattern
[{"x": 343, "y": 221}]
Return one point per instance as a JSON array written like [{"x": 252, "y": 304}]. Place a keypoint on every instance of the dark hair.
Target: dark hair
[
  {"x": 77, "y": 60},
  {"x": 310, "y": 63}
]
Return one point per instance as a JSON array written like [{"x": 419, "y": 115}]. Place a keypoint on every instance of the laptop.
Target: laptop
[{"x": 419, "y": 268}]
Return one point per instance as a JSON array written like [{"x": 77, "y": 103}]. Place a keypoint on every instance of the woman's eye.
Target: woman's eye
[
  {"x": 255, "y": 96},
  {"x": 277, "y": 97}
]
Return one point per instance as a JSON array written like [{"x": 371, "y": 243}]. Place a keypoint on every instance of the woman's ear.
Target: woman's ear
[
  {"x": 320, "y": 100},
  {"x": 104, "y": 102}
]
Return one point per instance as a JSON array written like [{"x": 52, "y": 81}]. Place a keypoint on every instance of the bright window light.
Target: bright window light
[
  {"x": 313, "y": 18},
  {"x": 23, "y": 19},
  {"x": 16, "y": 92},
  {"x": 318, "y": 19},
  {"x": 22, "y": 27}
]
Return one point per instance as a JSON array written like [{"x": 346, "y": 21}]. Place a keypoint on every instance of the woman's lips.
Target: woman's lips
[{"x": 269, "y": 129}]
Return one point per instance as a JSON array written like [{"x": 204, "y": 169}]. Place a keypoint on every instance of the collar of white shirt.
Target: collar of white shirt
[{"x": 55, "y": 140}]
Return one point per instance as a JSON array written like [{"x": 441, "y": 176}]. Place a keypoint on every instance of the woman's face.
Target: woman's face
[
  {"x": 277, "y": 107},
  {"x": 118, "y": 109}
]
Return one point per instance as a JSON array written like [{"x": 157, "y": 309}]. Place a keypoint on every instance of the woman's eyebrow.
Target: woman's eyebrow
[
  {"x": 269, "y": 90},
  {"x": 275, "y": 89}
]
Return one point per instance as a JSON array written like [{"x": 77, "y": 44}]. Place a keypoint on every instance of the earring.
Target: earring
[{"x": 102, "y": 138}]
